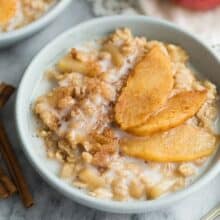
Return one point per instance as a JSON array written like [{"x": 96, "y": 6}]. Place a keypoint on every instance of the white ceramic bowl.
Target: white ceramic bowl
[
  {"x": 9, "y": 38},
  {"x": 33, "y": 84}
]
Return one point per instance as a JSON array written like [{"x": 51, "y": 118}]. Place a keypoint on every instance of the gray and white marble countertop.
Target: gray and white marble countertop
[{"x": 49, "y": 204}]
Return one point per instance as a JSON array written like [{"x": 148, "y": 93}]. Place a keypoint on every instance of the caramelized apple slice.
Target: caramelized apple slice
[
  {"x": 117, "y": 58},
  {"x": 180, "y": 144},
  {"x": 147, "y": 89},
  {"x": 67, "y": 65},
  {"x": 177, "y": 110},
  {"x": 7, "y": 10}
]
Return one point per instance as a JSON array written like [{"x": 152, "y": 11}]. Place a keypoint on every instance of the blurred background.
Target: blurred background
[{"x": 198, "y": 16}]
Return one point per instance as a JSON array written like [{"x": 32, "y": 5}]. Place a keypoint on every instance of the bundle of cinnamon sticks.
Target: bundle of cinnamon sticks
[{"x": 16, "y": 181}]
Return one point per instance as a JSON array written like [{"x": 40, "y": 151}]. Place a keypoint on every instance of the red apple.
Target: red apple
[{"x": 198, "y": 4}]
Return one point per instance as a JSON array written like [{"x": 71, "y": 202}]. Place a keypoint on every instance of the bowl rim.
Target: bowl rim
[
  {"x": 80, "y": 196},
  {"x": 48, "y": 16}
]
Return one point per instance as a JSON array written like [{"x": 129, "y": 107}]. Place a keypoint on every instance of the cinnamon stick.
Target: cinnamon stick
[
  {"x": 14, "y": 168},
  {"x": 7, "y": 183},
  {"x": 3, "y": 192},
  {"x": 5, "y": 92}
]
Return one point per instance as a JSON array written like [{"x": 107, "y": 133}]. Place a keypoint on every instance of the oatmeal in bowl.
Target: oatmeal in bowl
[
  {"x": 20, "y": 19},
  {"x": 15, "y": 14},
  {"x": 128, "y": 118}
]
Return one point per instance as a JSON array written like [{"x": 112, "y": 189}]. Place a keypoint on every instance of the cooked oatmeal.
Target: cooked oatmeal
[
  {"x": 15, "y": 14},
  {"x": 78, "y": 119}
]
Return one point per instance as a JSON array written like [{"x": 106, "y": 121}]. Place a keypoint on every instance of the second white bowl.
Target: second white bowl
[{"x": 9, "y": 38}]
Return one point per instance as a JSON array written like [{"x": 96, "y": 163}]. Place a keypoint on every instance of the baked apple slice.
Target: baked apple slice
[
  {"x": 146, "y": 90},
  {"x": 68, "y": 64},
  {"x": 176, "y": 111},
  {"x": 7, "y": 11},
  {"x": 180, "y": 144}
]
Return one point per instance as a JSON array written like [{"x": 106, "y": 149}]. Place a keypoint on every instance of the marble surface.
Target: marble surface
[{"x": 49, "y": 204}]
